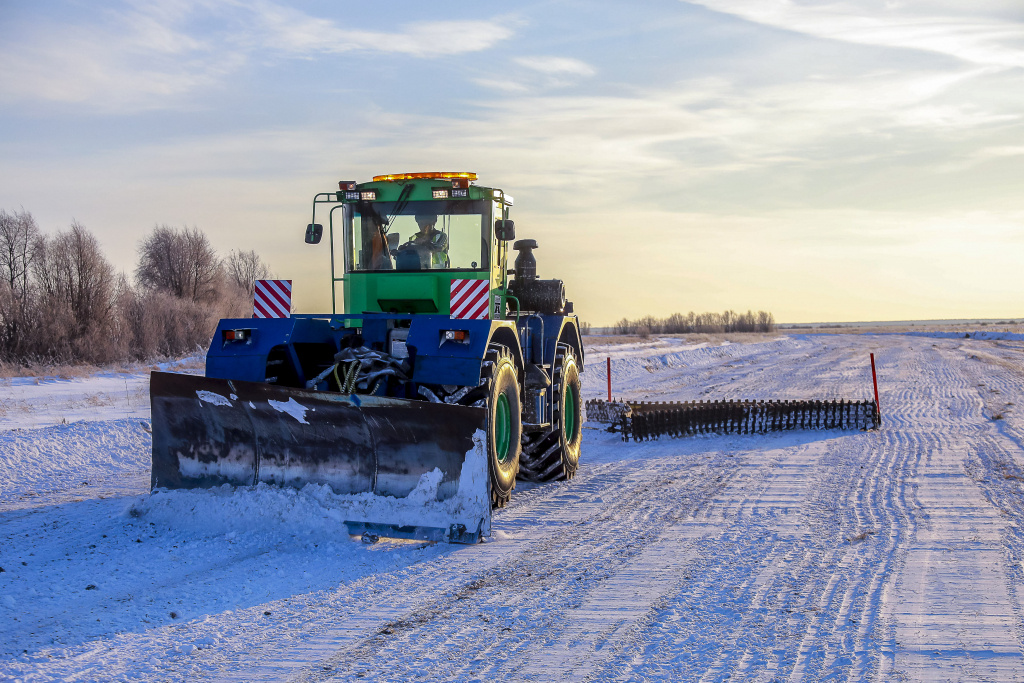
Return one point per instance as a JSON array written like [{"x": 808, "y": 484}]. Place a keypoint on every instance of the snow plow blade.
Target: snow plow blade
[{"x": 399, "y": 468}]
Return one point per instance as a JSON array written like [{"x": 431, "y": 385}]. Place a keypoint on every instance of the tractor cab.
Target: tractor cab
[{"x": 403, "y": 241}]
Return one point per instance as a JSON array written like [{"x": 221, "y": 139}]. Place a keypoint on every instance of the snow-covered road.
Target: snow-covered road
[{"x": 802, "y": 556}]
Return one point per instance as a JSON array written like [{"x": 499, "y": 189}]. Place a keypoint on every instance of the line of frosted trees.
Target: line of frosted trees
[
  {"x": 61, "y": 300},
  {"x": 677, "y": 323}
]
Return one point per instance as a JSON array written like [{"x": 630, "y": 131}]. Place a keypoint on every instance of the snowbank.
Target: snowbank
[{"x": 50, "y": 459}]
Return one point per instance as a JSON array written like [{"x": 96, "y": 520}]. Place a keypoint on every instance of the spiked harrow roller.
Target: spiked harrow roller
[
  {"x": 643, "y": 421},
  {"x": 419, "y": 404}
]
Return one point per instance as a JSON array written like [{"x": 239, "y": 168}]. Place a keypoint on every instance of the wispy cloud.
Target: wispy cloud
[
  {"x": 1000, "y": 151},
  {"x": 148, "y": 56},
  {"x": 501, "y": 85},
  {"x": 291, "y": 31},
  {"x": 988, "y": 40},
  {"x": 557, "y": 66}
]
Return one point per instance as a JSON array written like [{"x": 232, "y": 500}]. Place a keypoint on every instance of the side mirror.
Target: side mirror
[
  {"x": 505, "y": 230},
  {"x": 314, "y": 231},
  {"x": 393, "y": 240}
]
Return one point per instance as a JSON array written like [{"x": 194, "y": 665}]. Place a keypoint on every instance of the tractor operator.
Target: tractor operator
[{"x": 429, "y": 242}]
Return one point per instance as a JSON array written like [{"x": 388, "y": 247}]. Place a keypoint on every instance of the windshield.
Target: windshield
[{"x": 433, "y": 235}]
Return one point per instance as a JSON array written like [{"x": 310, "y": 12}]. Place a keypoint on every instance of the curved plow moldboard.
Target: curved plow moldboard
[{"x": 644, "y": 421}]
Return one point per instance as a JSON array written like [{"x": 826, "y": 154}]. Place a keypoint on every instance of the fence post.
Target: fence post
[
  {"x": 609, "y": 378},
  {"x": 874, "y": 379}
]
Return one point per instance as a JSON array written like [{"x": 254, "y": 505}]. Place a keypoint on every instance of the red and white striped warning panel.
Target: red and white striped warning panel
[
  {"x": 272, "y": 299},
  {"x": 469, "y": 299}
]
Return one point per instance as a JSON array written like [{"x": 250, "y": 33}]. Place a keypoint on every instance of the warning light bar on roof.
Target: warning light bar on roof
[{"x": 436, "y": 175}]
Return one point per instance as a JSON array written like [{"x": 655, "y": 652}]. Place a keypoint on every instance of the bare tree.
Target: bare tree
[
  {"x": 78, "y": 288},
  {"x": 179, "y": 262},
  {"x": 19, "y": 245},
  {"x": 244, "y": 268},
  {"x": 10, "y": 321},
  {"x": 19, "y": 242}
]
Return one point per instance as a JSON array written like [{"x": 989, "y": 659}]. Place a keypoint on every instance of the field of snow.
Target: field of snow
[{"x": 801, "y": 556}]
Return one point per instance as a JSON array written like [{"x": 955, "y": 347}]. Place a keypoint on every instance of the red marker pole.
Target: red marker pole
[
  {"x": 609, "y": 379},
  {"x": 874, "y": 378}
]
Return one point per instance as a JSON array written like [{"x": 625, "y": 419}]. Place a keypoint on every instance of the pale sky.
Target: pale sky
[{"x": 848, "y": 160}]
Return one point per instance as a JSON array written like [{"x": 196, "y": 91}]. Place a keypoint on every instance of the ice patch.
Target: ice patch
[
  {"x": 292, "y": 407},
  {"x": 210, "y": 397}
]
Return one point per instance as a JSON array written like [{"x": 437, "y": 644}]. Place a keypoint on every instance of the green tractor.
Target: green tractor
[{"x": 439, "y": 384}]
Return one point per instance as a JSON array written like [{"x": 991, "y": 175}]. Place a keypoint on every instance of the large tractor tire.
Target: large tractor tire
[
  {"x": 568, "y": 410},
  {"x": 504, "y": 423},
  {"x": 556, "y": 456}
]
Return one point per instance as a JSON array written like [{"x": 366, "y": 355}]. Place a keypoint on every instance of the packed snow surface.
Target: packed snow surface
[{"x": 801, "y": 556}]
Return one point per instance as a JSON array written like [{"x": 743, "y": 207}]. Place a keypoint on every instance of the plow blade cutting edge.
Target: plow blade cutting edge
[{"x": 399, "y": 468}]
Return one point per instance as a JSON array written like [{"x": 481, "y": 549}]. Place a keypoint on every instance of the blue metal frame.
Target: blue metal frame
[{"x": 435, "y": 360}]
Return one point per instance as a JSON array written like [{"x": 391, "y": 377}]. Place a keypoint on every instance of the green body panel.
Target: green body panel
[
  {"x": 428, "y": 291},
  {"x": 423, "y": 292}
]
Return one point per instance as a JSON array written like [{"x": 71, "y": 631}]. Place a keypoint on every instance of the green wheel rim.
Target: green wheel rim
[
  {"x": 569, "y": 413},
  {"x": 502, "y": 427}
]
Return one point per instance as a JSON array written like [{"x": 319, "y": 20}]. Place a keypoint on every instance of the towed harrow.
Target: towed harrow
[{"x": 644, "y": 421}]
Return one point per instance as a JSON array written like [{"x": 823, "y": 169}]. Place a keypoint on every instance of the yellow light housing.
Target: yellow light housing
[{"x": 436, "y": 175}]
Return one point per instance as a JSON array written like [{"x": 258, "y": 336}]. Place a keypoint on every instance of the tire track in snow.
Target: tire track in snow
[
  {"x": 777, "y": 614},
  {"x": 951, "y": 613},
  {"x": 482, "y": 628},
  {"x": 996, "y": 465}
]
